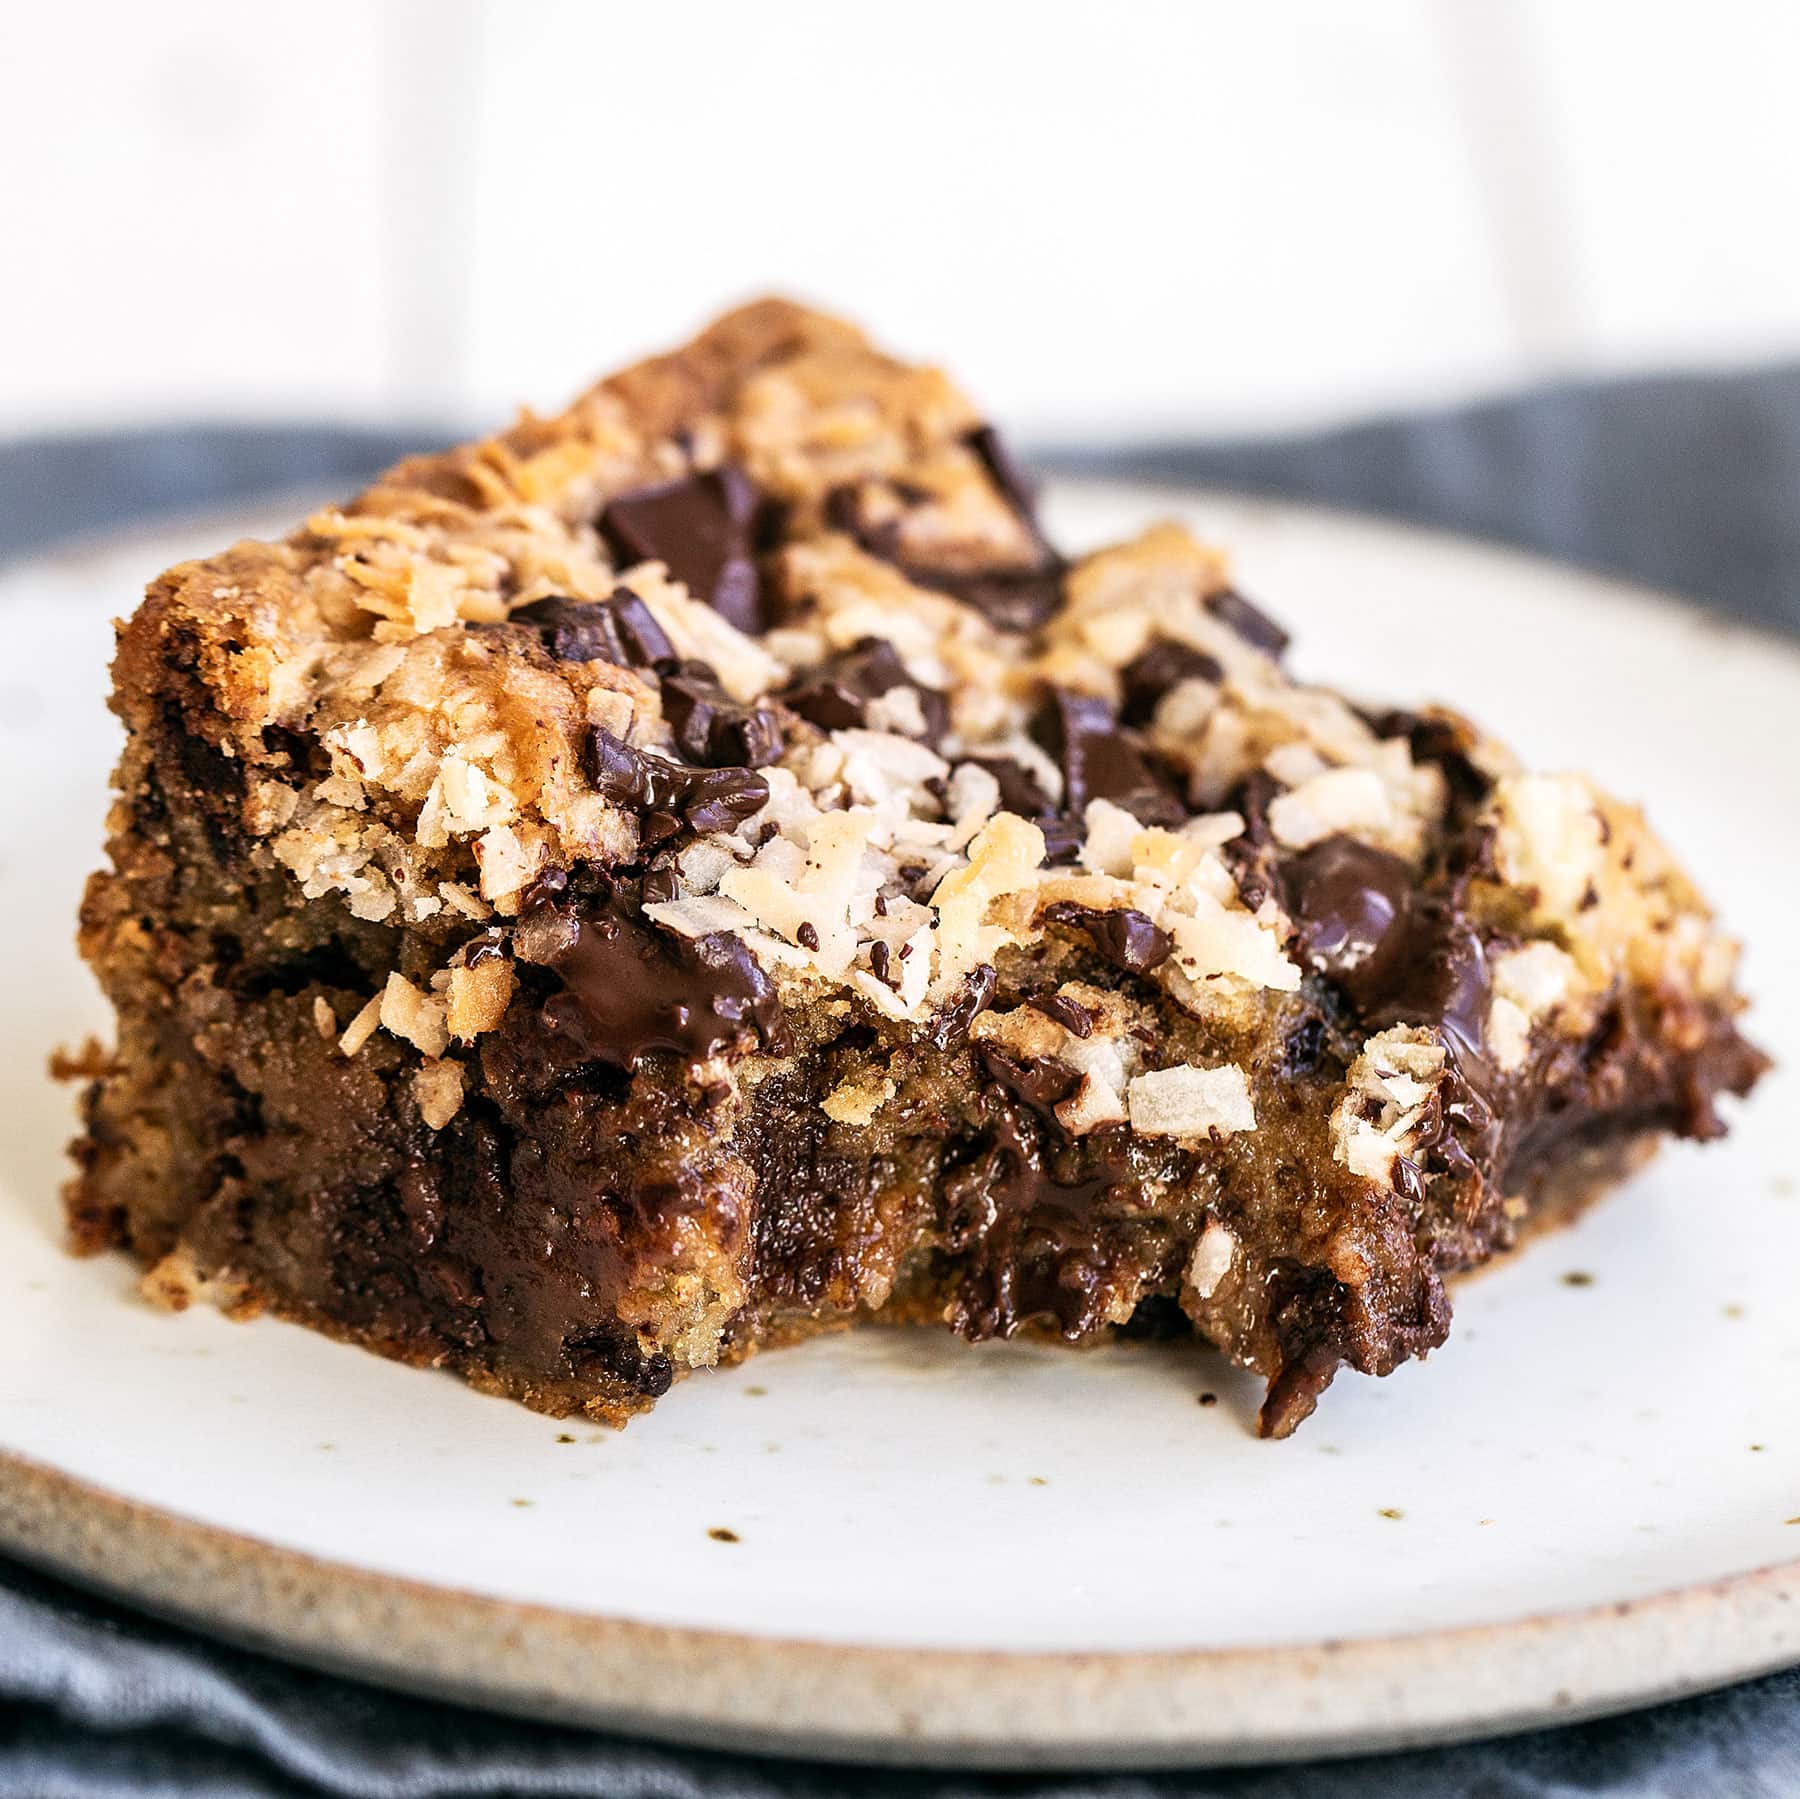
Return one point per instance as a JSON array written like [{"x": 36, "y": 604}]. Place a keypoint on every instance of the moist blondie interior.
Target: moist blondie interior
[{"x": 704, "y": 868}]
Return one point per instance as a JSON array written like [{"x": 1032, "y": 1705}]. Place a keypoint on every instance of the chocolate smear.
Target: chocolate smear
[{"x": 950, "y": 1029}]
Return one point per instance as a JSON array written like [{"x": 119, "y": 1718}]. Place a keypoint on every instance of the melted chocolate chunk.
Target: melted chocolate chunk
[
  {"x": 1102, "y": 760},
  {"x": 1405, "y": 957},
  {"x": 1126, "y": 938},
  {"x": 1255, "y": 627},
  {"x": 620, "y": 630},
  {"x": 1165, "y": 664},
  {"x": 669, "y": 796},
  {"x": 1401, "y": 956},
  {"x": 710, "y": 727},
  {"x": 1352, "y": 904},
  {"x": 1022, "y": 1212},
  {"x": 1074, "y": 1017},
  {"x": 950, "y": 1029},
  {"x": 720, "y": 799},
  {"x": 1441, "y": 978},
  {"x": 835, "y": 695},
  {"x": 706, "y": 528},
  {"x": 630, "y": 990},
  {"x": 1043, "y": 1084}
]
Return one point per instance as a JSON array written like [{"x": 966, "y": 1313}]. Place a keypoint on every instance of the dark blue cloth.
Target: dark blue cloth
[
  {"x": 102, "y": 1704},
  {"x": 1690, "y": 483}
]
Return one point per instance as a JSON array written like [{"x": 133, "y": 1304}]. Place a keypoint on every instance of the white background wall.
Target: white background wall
[{"x": 1111, "y": 217}]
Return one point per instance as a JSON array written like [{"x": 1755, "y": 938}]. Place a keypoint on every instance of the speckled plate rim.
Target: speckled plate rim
[{"x": 907, "y": 1706}]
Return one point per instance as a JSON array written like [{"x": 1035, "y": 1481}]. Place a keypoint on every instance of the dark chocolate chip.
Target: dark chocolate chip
[
  {"x": 618, "y": 1354},
  {"x": 1151, "y": 673},
  {"x": 1255, "y": 627},
  {"x": 710, "y": 727},
  {"x": 1126, "y": 938},
  {"x": 1442, "y": 740},
  {"x": 1009, "y": 599},
  {"x": 705, "y": 528},
  {"x": 1103, "y": 760},
  {"x": 1303, "y": 1049},
  {"x": 807, "y": 936},
  {"x": 572, "y": 630},
  {"x": 835, "y": 695},
  {"x": 620, "y": 629},
  {"x": 617, "y": 771},
  {"x": 1023, "y": 793},
  {"x": 880, "y": 958},
  {"x": 1063, "y": 837}
]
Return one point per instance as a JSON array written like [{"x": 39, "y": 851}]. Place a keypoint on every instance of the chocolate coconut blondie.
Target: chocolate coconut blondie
[{"x": 704, "y": 868}]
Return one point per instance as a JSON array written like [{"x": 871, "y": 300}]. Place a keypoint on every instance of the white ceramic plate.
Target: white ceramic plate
[{"x": 1589, "y": 1499}]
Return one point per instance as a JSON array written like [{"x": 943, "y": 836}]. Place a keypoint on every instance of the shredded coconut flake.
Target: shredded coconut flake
[
  {"x": 1212, "y": 1259},
  {"x": 1388, "y": 1088},
  {"x": 1189, "y": 1101},
  {"x": 438, "y": 1089}
]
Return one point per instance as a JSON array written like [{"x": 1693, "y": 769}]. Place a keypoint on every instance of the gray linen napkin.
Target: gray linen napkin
[{"x": 1688, "y": 482}]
